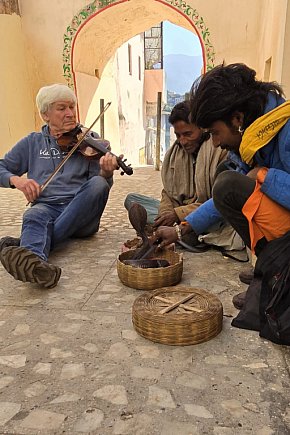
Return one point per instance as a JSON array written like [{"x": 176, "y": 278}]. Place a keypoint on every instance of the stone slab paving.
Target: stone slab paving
[{"x": 71, "y": 362}]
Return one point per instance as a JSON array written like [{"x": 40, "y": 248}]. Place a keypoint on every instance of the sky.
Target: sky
[
  {"x": 182, "y": 56},
  {"x": 177, "y": 40}
]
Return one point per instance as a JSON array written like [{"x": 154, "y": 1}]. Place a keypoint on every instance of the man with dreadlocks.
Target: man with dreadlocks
[{"x": 250, "y": 118}]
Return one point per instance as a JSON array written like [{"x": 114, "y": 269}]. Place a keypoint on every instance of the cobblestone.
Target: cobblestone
[{"x": 71, "y": 362}]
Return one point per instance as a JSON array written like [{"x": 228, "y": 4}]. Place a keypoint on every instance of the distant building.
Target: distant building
[
  {"x": 122, "y": 83},
  {"x": 154, "y": 83},
  {"x": 173, "y": 98}
]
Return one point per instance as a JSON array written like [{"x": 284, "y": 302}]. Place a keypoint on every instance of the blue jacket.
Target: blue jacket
[
  {"x": 206, "y": 215},
  {"x": 275, "y": 156},
  {"x": 38, "y": 154}
]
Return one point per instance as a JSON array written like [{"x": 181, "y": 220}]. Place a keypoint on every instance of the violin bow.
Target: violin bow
[{"x": 81, "y": 139}]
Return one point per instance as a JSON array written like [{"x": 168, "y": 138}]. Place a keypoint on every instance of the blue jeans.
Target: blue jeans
[
  {"x": 46, "y": 225},
  {"x": 151, "y": 205}
]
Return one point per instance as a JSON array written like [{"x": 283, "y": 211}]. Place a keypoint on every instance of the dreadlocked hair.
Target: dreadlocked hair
[{"x": 227, "y": 89}]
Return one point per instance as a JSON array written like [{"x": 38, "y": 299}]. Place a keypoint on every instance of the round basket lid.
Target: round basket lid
[{"x": 178, "y": 315}]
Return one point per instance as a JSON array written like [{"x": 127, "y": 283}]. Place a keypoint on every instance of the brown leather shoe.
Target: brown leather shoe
[
  {"x": 239, "y": 300},
  {"x": 26, "y": 266},
  {"x": 9, "y": 241},
  {"x": 247, "y": 275}
]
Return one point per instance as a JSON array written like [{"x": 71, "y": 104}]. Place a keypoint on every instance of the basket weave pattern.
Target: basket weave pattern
[
  {"x": 196, "y": 320},
  {"x": 149, "y": 279}
]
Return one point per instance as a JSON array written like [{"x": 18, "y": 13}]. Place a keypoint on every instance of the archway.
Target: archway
[
  {"x": 94, "y": 36},
  {"x": 181, "y": 14}
]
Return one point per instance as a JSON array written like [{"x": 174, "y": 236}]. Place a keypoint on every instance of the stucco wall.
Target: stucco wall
[
  {"x": 43, "y": 25},
  {"x": 32, "y": 47},
  {"x": 270, "y": 40},
  {"x": 16, "y": 108},
  {"x": 233, "y": 27},
  {"x": 130, "y": 93},
  {"x": 124, "y": 123},
  {"x": 239, "y": 31},
  {"x": 233, "y": 34},
  {"x": 106, "y": 90},
  {"x": 285, "y": 77},
  {"x": 154, "y": 83}
]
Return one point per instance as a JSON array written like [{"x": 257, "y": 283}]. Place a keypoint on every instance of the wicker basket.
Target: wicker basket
[
  {"x": 149, "y": 279},
  {"x": 196, "y": 317}
]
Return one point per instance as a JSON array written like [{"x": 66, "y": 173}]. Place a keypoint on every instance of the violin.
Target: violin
[
  {"x": 72, "y": 144},
  {"x": 92, "y": 147}
]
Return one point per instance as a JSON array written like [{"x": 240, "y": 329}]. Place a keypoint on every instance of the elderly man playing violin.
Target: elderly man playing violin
[{"x": 70, "y": 206}]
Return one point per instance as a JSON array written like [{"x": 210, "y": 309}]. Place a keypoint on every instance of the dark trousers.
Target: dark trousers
[{"x": 230, "y": 192}]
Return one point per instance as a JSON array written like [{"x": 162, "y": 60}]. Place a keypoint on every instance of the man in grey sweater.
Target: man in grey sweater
[{"x": 71, "y": 205}]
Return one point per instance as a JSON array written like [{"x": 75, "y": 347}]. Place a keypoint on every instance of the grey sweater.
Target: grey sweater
[{"x": 37, "y": 155}]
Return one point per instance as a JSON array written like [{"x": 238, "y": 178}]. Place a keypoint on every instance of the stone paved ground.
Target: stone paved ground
[{"x": 71, "y": 362}]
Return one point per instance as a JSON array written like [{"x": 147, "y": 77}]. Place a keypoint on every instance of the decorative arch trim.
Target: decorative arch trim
[
  {"x": 202, "y": 31},
  {"x": 94, "y": 8}
]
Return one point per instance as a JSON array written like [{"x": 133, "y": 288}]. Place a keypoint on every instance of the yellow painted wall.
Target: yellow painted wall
[
  {"x": 32, "y": 46},
  {"x": 124, "y": 123},
  {"x": 248, "y": 31},
  {"x": 16, "y": 107},
  {"x": 271, "y": 40},
  {"x": 44, "y": 23},
  {"x": 107, "y": 91},
  {"x": 285, "y": 77}
]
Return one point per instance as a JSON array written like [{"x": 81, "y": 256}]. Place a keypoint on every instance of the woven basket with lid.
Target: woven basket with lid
[
  {"x": 149, "y": 279},
  {"x": 178, "y": 315}
]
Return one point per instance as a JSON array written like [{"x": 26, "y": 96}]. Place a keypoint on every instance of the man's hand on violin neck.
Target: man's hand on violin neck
[
  {"x": 108, "y": 164},
  {"x": 30, "y": 188}
]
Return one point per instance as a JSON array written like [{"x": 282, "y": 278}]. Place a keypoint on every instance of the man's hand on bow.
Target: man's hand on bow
[{"x": 29, "y": 187}]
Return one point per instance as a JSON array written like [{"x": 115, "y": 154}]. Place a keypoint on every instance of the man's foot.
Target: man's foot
[
  {"x": 239, "y": 300},
  {"x": 26, "y": 266},
  {"x": 247, "y": 275},
  {"x": 9, "y": 241},
  {"x": 190, "y": 242},
  {"x": 190, "y": 239}
]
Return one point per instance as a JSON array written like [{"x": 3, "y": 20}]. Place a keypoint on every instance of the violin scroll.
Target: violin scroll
[{"x": 126, "y": 169}]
